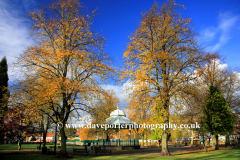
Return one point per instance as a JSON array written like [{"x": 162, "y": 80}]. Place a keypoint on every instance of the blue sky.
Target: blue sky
[{"x": 216, "y": 21}]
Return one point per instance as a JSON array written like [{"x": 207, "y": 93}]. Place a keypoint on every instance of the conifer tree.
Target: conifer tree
[
  {"x": 217, "y": 118},
  {"x": 4, "y": 95}
]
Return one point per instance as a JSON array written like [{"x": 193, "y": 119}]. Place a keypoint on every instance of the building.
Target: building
[
  {"x": 235, "y": 136},
  {"x": 49, "y": 138}
]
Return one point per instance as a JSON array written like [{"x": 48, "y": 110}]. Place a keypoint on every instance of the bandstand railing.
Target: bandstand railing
[{"x": 117, "y": 142}]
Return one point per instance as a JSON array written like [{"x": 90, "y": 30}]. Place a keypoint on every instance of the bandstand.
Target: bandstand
[{"x": 119, "y": 121}]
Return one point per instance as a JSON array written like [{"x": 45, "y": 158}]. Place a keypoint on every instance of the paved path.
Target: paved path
[
  {"x": 141, "y": 151},
  {"x": 144, "y": 151}
]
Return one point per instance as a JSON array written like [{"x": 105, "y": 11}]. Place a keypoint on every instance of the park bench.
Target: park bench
[
  {"x": 50, "y": 151},
  {"x": 103, "y": 151},
  {"x": 95, "y": 147},
  {"x": 201, "y": 146},
  {"x": 75, "y": 151}
]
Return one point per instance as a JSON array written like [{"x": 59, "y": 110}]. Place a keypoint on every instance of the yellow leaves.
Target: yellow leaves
[{"x": 160, "y": 58}]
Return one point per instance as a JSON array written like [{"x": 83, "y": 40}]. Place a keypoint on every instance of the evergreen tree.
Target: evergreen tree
[
  {"x": 4, "y": 94},
  {"x": 217, "y": 117}
]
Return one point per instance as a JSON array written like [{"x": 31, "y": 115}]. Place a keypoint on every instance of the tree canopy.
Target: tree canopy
[
  {"x": 66, "y": 65},
  {"x": 163, "y": 54}
]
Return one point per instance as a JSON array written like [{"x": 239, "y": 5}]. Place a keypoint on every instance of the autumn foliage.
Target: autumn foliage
[
  {"x": 163, "y": 54},
  {"x": 66, "y": 65},
  {"x": 19, "y": 124}
]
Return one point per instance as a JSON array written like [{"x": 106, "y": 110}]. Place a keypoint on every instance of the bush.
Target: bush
[{"x": 33, "y": 138}]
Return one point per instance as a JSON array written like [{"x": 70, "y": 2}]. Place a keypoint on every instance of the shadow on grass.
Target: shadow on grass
[{"x": 220, "y": 154}]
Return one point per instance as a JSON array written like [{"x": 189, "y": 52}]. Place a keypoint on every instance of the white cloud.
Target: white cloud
[
  {"x": 122, "y": 92},
  {"x": 227, "y": 23},
  {"x": 208, "y": 34},
  {"x": 14, "y": 31},
  {"x": 238, "y": 74},
  {"x": 221, "y": 34},
  {"x": 219, "y": 65},
  {"x": 117, "y": 89}
]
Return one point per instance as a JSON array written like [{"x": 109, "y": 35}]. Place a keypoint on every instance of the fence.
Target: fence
[{"x": 113, "y": 142}]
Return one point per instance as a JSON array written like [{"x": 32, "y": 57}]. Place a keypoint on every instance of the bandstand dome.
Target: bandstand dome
[
  {"x": 117, "y": 112},
  {"x": 118, "y": 117}
]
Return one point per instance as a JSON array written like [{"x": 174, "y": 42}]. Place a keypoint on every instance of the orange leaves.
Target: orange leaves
[
  {"x": 65, "y": 67},
  {"x": 102, "y": 106},
  {"x": 161, "y": 59},
  {"x": 87, "y": 133}
]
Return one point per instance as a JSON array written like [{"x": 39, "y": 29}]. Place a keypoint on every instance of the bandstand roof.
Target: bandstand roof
[{"x": 118, "y": 117}]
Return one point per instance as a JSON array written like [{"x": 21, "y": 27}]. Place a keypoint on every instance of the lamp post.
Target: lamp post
[
  {"x": 134, "y": 136},
  {"x": 55, "y": 144},
  {"x": 103, "y": 137},
  {"x": 97, "y": 136},
  {"x": 119, "y": 135},
  {"x": 130, "y": 137}
]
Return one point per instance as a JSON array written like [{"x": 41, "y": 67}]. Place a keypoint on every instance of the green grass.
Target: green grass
[
  {"x": 27, "y": 146},
  {"x": 15, "y": 146},
  {"x": 232, "y": 154}
]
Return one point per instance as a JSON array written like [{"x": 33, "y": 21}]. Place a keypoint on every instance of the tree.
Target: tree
[
  {"x": 226, "y": 79},
  {"x": 33, "y": 138},
  {"x": 18, "y": 124},
  {"x": 189, "y": 105},
  {"x": 102, "y": 106},
  {"x": 140, "y": 111},
  {"x": 67, "y": 64},
  {"x": 70, "y": 132},
  {"x": 23, "y": 93},
  {"x": 163, "y": 53},
  {"x": 231, "y": 93},
  {"x": 4, "y": 95},
  {"x": 217, "y": 117},
  {"x": 86, "y": 134},
  {"x": 45, "y": 123}
]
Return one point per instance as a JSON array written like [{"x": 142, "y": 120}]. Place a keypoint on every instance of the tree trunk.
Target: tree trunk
[
  {"x": 63, "y": 151},
  {"x": 19, "y": 144},
  {"x": 165, "y": 151},
  {"x": 55, "y": 144},
  {"x": 204, "y": 144},
  {"x": 44, "y": 138},
  {"x": 209, "y": 142},
  {"x": 45, "y": 130},
  {"x": 146, "y": 140},
  {"x": 213, "y": 140},
  {"x": 192, "y": 139},
  {"x": 227, "y": 141},
  {"x": 40, "y": 144},
  {"x": 216, "y": 146}
]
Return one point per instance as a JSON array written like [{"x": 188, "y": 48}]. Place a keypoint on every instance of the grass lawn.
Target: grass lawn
[
  {"x": 232, "y": 154},
  {"x": 27, "y": 146}
]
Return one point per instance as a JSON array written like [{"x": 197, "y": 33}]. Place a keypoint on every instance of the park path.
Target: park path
[
  {"x": 141, "y": 151},
  {"x": 145, "y": 151}
]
